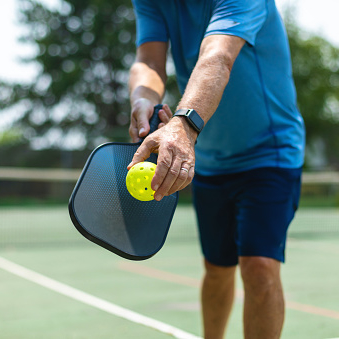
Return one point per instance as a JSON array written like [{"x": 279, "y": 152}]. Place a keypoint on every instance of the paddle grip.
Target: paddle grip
[{"x": 155, "y": 120}]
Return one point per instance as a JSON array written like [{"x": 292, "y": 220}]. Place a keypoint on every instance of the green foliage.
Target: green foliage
[
  {"x": 316, "y": 74},
  {"x": 10, "y": 137},
  {"x": 84, "y": 51}
]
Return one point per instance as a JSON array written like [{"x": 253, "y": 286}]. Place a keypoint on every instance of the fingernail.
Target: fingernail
[
  {"x": 142, "y": 130},
  {"x": 158, "y": 197},
  {"x": 156, "y": 187}
]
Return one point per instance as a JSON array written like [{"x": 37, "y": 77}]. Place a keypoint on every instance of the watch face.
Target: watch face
[
  {"x": 192, "y": 117},
  {"x": 196, "y": 120}
]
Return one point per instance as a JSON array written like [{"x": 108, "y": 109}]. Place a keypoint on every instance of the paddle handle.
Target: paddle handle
[{"x": 155, "y": 120}]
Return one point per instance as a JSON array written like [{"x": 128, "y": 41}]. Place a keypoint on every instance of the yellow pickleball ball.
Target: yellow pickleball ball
[{"x": 138, "y": 181}]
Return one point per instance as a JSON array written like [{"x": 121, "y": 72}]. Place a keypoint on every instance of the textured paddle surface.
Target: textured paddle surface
[{"x": 103, "y": 210}]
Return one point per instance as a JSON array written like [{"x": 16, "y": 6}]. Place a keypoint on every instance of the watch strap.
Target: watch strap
[{"x": 192, "y": 117}]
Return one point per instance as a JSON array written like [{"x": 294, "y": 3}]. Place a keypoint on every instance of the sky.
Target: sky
[{"x": 310, "y": 16}]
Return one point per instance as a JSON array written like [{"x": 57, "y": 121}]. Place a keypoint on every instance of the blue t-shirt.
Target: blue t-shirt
[{"x": 257, "y": 123}]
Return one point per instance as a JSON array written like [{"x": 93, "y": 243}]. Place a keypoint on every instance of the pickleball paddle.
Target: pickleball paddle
[{"x": 103, "y": 211}]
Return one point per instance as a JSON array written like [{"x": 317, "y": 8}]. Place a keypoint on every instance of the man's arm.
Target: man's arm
[
  {"x": 211, "y": 74},
  {"x": 175, "y": 141},
  {"x": 147, "y": 87}
]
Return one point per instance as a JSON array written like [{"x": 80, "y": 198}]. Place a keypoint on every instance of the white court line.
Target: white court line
[{"x": 92, "y": 300}]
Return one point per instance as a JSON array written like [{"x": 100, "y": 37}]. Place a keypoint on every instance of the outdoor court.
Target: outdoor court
[{"x": 56, "y": 284}]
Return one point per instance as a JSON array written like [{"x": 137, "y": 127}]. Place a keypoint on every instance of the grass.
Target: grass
[{"x": 165, "y": 287}]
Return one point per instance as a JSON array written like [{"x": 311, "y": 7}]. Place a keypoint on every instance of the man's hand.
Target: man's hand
[
  {"x": 174, "y": 143},
  {"x": 142, "y": 111}
]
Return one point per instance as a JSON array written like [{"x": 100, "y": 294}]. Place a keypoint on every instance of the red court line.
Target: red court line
[
  {"x": 324, "y": 312},
  {"x": 192, "y": 282}
]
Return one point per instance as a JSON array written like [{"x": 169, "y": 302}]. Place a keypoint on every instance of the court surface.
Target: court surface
[{"x": 56, "y": 284}]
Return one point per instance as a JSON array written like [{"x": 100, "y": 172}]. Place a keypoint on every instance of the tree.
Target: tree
[
  {"x": 316, "y": 73},
  {"x": 80, "y": 95},
  {"x": 80, "y": 92}
]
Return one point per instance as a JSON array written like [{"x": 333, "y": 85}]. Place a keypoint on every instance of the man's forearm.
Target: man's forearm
[
  {"x": 211, "y": 74},
  {"x": 205, "y": 87},
  {"x": 145, "y": 83}
]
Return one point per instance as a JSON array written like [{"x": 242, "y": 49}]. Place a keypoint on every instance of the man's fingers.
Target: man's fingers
[
  {"x": 168, "y": 176},
  {"x": 168, "y": 111},
  {"x": 141, "y": 113},
  {"x": 189, "y": 179},
  {"x": 142, "y": 153},
  {"x": 143, "y": 127},
  {"x": 165, "y": 114},
  {"x": 175, "y": 166},
  {"x": 138, "y": 128},
  {"x": 184, "y": 178},
  {"x": 163, "y": 165},
  {"x": 133, "y": 130},
  {"x": 142, "y": 123}
]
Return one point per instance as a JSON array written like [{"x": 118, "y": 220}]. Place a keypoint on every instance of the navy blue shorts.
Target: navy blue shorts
[{"x": 246, "y": 213}]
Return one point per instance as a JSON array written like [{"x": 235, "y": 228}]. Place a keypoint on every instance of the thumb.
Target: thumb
[
  {"x": 141, "y": 154},
  {"x": 143, "y": 126},
  {"x": 141, "y": 112}
]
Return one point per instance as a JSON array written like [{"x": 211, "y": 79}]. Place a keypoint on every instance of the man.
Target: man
[{"x": 233, "y": 68}]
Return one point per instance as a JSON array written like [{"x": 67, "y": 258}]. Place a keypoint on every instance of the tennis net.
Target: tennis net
[{"x": 33, "y": 208}]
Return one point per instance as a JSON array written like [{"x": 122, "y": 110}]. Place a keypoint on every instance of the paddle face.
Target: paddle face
[{"x": 102, "y": 209}]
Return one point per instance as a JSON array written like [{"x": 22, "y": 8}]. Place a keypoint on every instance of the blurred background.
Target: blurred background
[
  {"x": 64, "y": 73},
  {"x": 63, "y": 91}
]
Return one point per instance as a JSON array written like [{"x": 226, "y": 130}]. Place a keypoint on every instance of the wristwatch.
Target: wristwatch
[{"x": 192, "y": 117}]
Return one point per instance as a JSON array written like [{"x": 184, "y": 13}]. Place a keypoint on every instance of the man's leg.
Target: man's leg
[
  {"x": 264, "y": 300},
  {"x": 217, "y": 299}
]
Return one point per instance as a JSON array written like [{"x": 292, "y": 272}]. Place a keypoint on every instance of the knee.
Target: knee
[
  {"x": 259, "y": 274},
  {"x": 219, "y": 273}
]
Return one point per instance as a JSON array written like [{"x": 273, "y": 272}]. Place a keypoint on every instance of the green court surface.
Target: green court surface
[{"x": 164, "y": 288}]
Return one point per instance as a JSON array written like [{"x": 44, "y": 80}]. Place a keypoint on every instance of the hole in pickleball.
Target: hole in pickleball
[
  {"x": 152, "y": 169},
  {"x": 145, "y": 188},
  {"x": 141, "y": 168}
]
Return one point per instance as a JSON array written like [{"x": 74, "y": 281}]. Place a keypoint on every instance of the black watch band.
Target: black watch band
[{"x": 192, "y": 117}]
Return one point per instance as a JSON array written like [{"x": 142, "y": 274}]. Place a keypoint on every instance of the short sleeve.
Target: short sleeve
[
  {"x": 242, "y": 18},
  {"x": 150, "y": 25}
]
